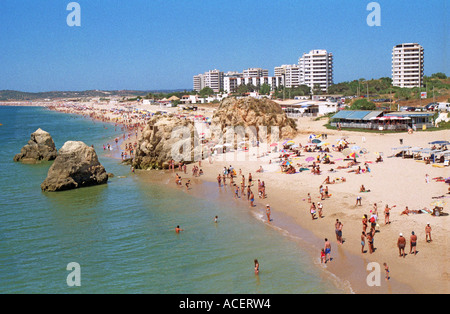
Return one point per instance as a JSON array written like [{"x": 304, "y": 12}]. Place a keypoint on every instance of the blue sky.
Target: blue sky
[{"x": 161, "y": 44}]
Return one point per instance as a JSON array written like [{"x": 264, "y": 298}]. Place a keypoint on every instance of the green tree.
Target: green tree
[
  {"x": 439, "y": 75},
  {"x": 317, "y": 90},
  {"x": 363, "y": 104},
  {"x": 206, "y": 91},
  {"x": 264, "y": 89}
]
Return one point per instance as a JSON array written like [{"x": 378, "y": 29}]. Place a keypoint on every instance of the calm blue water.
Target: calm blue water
[{"x": 122, "y": 233}]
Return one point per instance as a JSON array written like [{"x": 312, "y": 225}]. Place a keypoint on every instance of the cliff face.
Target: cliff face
[
  {"x": 165, "y": 138},
  {"x": 39, "y": 147},
  {"x": 76, "y": 166},
  {"x": 256, "y": 113}
]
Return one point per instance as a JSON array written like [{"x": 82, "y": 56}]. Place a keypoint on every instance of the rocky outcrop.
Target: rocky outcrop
[
  {"x": 255, "y": 113},
  {"x": 75, "y": 166},
  {"x": 166, "y": 138},
  {"x": 39, "y": 147}
]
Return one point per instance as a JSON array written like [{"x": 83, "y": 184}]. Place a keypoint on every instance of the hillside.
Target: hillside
[{"x": 12, "y": 95}]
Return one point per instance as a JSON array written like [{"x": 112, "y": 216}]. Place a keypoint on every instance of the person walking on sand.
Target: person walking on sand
[
  {"x": 312, "y": 210},
  {"x": 319, "y": 209},
  {"x": 327, "y": 248},
  {"x": 412, "y": 243},
  {"x": 322, "y": 256},
  {"x": 370, "y": 241},
  {"x": 401, "y": 243},
  {"x": 365, "y": 222},
  {"x": 386, "y": 215},
  {"x": 428, "y": 232},
  {"x": 363, "y": 241},
  {"x": 338, "y": 230},
  {"x": 268, "y": 212}
]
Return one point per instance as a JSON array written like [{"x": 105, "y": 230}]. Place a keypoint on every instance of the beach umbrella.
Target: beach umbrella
[
  {"x": 439, "y": 143},
  {"x": 346, "y": 151},
  {"x": 309, "y": 159},
  {"x": 316, "y": 141},
  {"x": 285, "y": 142},
  {"x": 286, "y": 163},
  {"x": 323, "y": 144},
  {"x": 438, "y": 203},
  {"x": 311, "y": 136},
  {"x": 273, "y": 144},
  {"x": 353, "y": 155},
  {"x": 355, "y": 147}
]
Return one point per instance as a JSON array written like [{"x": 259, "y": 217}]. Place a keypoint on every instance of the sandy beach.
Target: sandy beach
[{"x": 395, "y": 182}]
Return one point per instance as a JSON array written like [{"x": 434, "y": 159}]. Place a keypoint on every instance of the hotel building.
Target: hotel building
[
  {"x": 407, "y": 65},
  {"x": 316, "y": 67}
]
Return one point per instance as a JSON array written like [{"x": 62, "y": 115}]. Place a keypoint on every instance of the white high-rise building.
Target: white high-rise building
[
  {"x": 255, "y": 72},
  {"x": 407, "y": 65},
  {"x": 291, "y": 74},
  {"x": 198, "y": 82},
  {"x": 316, "y": 68},
  {"x": 212, "y": 79}
]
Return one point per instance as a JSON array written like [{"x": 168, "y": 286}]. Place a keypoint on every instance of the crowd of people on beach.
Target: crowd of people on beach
[{"x": 242, "y": 186}]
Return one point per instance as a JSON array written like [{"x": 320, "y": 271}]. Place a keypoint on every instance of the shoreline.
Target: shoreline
[
  {"x": 431, "y": 263},
  {"x": 346, "y": 271}
]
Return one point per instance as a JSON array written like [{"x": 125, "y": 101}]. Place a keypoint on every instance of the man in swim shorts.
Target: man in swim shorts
[
  {"x": 413, "y": 243},
  {"x": 401, "y": 242},
  {"x": 327, "y": 248}
]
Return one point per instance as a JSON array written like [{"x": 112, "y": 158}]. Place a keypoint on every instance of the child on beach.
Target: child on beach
[{"x": 322, "y": 256}]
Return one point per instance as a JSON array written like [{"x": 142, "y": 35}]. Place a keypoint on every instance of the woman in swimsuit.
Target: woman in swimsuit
[{"x": 256, "y": 267}]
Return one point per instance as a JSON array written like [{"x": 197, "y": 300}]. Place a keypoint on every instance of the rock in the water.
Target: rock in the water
[
  {"x": 165, "y": 138},
  {"x": 76, "y": 166},
  {"x": 39, "y": 147},
  {"x": 254, "y": 113}
]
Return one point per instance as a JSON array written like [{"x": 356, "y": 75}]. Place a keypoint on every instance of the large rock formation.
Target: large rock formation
[
  {"x": 163, "y": 139},
  {"x": 76, "y": 166},
  {"x": 255, "y": 113},
  {"x": 39, "y": 147}
]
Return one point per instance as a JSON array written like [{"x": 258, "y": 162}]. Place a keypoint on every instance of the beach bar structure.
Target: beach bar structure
[
  {"x": 381, "y": 120},
  {"x": 307, "y": 108}
]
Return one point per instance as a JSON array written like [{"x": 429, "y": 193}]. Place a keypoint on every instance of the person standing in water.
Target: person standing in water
[{"x": 256, "y": 267}]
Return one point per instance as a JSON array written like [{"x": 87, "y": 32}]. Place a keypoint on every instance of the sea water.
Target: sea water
[{"x": 122, "y": 235}]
